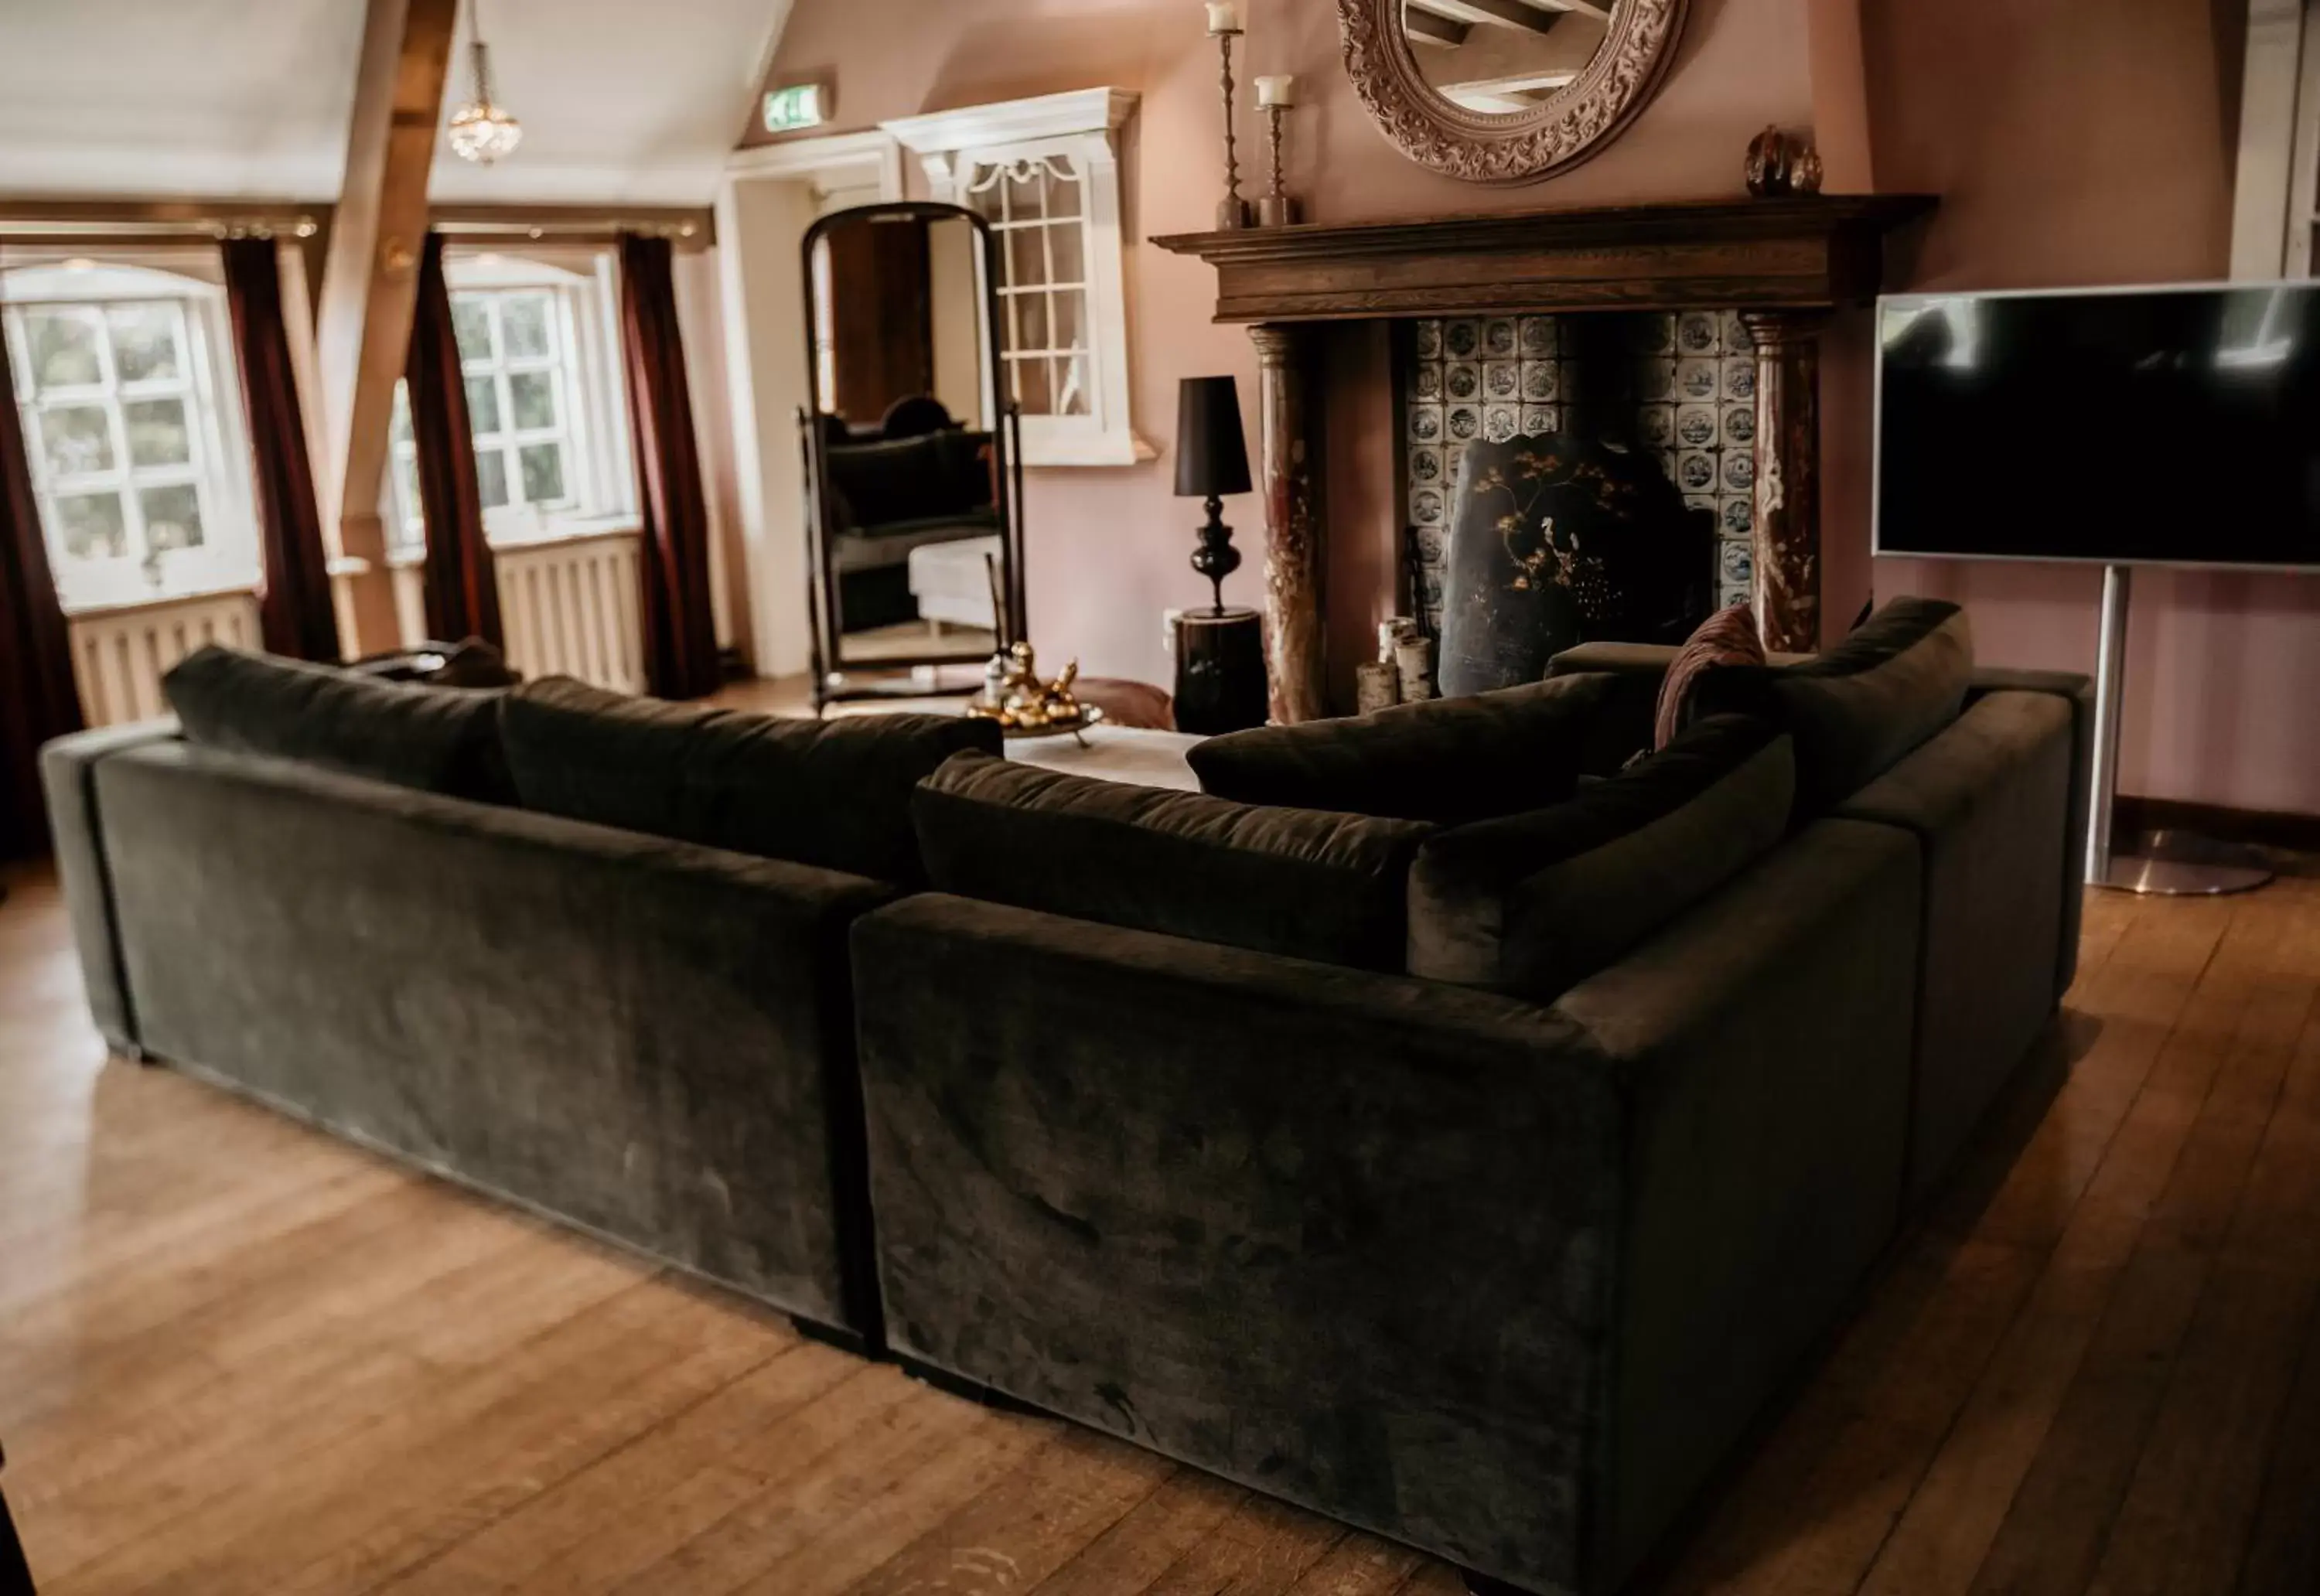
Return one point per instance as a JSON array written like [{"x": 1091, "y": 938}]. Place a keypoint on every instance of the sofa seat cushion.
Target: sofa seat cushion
[
  {"x": 834, "y": 793},
  {"x": 1447, "y": 760},
  {"x": 1532, "y": 904},
  {"x": 437, "y": 740},
  {"x": 1304, "y": 884},
  {"x": 1855, "y": 710}
]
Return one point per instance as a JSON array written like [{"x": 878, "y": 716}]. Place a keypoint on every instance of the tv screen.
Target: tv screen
[{"x": 2177, "y": 426}]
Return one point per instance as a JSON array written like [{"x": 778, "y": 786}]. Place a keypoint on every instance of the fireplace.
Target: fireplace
[{"x": 1627, "y": 286}]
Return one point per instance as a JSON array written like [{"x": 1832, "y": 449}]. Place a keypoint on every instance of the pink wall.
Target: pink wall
[
  {"x": 2071, "y": 141},
  {"x": 2090, "y": 142}
]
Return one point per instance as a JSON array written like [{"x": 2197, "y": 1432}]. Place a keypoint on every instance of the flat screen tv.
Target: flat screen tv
[{"x": 2160, "y": 426}]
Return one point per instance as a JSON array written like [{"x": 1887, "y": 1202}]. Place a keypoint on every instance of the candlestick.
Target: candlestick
[
  {"x": 1224, "y": 24},
  {"x": 1276, "y": 209}
]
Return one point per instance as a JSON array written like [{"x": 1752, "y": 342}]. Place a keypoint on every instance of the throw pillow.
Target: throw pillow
[
  {"x": 1727, "y": 637},
  {"x": 1446, "y": 761},
  {"x": 1858, "y": 708},
  {"x": 438, "y": 739},
  {"x": 836, "y": 794},
  {"x": 1300, "y": 882},
  {"x": 1532, "y": 904}
]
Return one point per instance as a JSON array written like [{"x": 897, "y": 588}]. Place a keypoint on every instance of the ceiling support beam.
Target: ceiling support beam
[
  {"x": 1499, "y": 13},
  {"x": 369, "y": 280},
  {"x": 1427, "y": 27}
]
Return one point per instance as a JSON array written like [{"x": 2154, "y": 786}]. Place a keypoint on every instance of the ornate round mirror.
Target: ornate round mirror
[{"x": 1505, "y": 91}]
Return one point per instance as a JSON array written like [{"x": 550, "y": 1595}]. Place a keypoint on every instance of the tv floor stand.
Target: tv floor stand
[{"x": 2166, "y": 863}]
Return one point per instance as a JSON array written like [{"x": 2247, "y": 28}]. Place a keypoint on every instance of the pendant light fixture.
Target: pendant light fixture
[{"x": 480, "y": 131}]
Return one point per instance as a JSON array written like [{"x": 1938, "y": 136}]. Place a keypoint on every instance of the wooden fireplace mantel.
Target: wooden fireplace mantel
[
  {"x": 1780, "y": 262},
  {"x": 1810, "y": 252}
]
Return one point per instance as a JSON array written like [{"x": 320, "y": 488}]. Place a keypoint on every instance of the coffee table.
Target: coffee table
[{"x": 1128, "y": 754}]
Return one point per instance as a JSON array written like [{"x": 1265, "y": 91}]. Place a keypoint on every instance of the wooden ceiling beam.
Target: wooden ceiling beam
[
  {"x": 1431, "y": 27},
  {"x": 1499, "y": 13},
  {"x": 369, "y": 280}
]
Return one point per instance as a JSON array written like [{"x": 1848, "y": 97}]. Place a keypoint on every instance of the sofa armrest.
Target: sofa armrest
[
  {"x": 1619, "y": 659},
  {"x": 2079, "y": 691},
  {"x": 1501, "y": 1281},
  {"x": 68, "y": 773}
]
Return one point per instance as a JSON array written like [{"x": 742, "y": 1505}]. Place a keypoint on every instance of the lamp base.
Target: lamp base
[
  {"x": 1220, "y": 683},
  {"x": 2171, "y": 864}
]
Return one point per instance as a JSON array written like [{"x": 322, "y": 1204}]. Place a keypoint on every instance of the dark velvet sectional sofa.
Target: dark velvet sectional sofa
[{"x": 1459, "y": 1120}]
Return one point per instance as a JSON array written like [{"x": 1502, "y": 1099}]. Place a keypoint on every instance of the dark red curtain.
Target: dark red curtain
[
  {"x": 293, "y": 605},
  {"x": 38, "y": 700},
  {"x": 680, "y": 628},
  {"x": 463, "y": 591}
]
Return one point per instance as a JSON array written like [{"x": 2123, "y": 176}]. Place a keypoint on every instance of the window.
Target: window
[
  {"x": 1045, "y": 174},
  {"x": 134, "y": 430},
  {"x": 544, "y": 404}
]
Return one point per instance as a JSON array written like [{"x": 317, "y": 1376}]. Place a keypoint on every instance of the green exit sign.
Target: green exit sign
[{"x": 799, "y": 105}]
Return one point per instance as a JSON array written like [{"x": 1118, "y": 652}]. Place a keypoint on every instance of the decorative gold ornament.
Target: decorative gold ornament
[{"x": 1026, "y": 706}]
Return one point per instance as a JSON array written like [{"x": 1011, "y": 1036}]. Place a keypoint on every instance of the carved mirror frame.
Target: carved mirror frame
[{"x": 1515, "y": 146}]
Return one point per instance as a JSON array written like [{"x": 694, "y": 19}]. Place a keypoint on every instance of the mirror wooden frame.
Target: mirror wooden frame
[
  {"x": 889, "y": 675},
  {"x": 1509, "y": 147}
]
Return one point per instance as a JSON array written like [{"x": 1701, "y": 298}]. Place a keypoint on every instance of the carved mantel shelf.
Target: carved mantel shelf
[
  {"x": 1811, "y": 251},
  {"x": 1780, "y": 261}
]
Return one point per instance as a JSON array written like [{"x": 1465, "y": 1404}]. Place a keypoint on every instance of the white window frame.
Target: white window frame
[
  {"x": 219, "y": 470},
  {"x": 593, "y": 422},
  {"x": 1081, "y": 130},
  {"x": 2276, "y": 201}
]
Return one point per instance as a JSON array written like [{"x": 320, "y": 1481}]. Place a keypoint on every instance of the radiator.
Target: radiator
[
  {"x": 118, "y": 656},
  {"x": 569, "y": 608}
]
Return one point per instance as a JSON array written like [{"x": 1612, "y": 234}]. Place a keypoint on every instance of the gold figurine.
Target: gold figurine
[{"x": 1024, "y": 706}]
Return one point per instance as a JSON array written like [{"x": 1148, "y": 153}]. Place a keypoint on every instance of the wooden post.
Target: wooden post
[
  {"x": 369, "y": 279},
  {"x": 1293, "y": 547},
  {"x": 1786, "y": 595}
]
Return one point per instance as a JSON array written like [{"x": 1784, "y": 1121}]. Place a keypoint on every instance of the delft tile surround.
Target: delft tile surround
[{"x": 1684, "y": 381}]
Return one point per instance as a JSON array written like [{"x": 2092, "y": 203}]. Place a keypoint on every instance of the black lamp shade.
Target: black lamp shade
[{"x": 1211, "y": 459}]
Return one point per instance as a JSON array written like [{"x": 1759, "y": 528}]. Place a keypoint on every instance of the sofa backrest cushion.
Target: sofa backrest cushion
[
  {"x": 835, "y": 793},
  {"x": 1446, "y": 761},
  {"x": 1532, "y": 904},
  {"x": 894, "y": 481},
  {"x": 1300, "y": 882},
  {"x": 438, "y": 739},
  {"x": 1858, "y": 708}
]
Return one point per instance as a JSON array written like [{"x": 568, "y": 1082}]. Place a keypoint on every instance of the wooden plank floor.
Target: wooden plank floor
[{"x": 236, "y": 1357}]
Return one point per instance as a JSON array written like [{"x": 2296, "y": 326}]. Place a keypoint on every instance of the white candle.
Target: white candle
[
  {"x": 1280, "y": 91},
  {"x": 1224, "y": 16}
]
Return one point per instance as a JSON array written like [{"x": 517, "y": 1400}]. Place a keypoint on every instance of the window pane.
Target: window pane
[
  {"x": 543, "y": 473},
  {"x": 1027, "y": 257},
  {"x": 406, "y": 528},
  {"x": 1070, "y": 318},
  {"x": 491, "y": 478},
  {"x": 1064, "y": 244},
  {"x": 144, "y": 343},
  {"x": 399, "y": 431},
  {"x": 482, "y": 405},
  {"x": 986, "y": 202},
  {"x": 1063, "y": 196},
  {"x": 532, "y": 396},
  {"x": 61, "y": 346},
  {"x": 1031, "y": 384},
  {"x": 76, "y": 438},
  {"x": 1023, "y": 195},
  {"x": 1031, "y": 321},
  {"x": 524, "y": 327},
  {"x": 157, "y": 432},
  {"x": 1071, "y": 385},
  {"x": 173, "y": 517},
  {"x": 92, "y": 526},
  {"x": 471, "y": 324}
]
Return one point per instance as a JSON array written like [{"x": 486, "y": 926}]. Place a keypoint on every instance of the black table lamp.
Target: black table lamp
[
  {"x": 1220, "y": 653},
  {"x": 1211, "y": 461}
]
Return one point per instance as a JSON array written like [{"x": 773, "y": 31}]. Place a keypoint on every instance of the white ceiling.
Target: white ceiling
[{"x": 620, "y": 102}]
